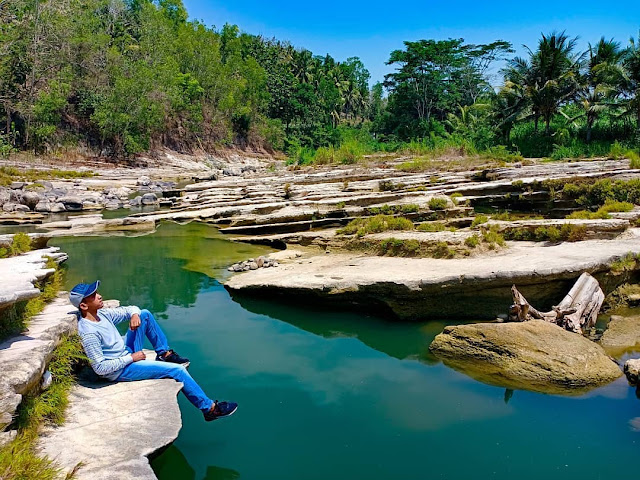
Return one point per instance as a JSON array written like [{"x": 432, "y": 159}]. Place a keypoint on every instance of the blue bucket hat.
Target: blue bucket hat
[{"x": 82, "y": 291}]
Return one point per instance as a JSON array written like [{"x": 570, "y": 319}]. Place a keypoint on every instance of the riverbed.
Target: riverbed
[{"x": 330, "y": 394}]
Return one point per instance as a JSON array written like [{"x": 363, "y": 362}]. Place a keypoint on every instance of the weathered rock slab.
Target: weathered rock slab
[
  {"x": 20, "y": 273},
  {"x": 632, "y": 370},
  {"x": 622, "y": 334},
  {"x": 23, "y": 358},
  {"x": 418, "y": 288},
  {"x": 534, "y": 355},
  {"x": 111, "y": 428}
]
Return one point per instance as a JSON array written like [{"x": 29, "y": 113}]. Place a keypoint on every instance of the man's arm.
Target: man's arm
[
  {"x": 122, "y": 314},
  {"x": 101, "y": 365}
]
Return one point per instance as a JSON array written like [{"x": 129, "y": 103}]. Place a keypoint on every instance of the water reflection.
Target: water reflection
[
  {"x": 154, "y": 271},
  {"x": 398, "y": 339}
]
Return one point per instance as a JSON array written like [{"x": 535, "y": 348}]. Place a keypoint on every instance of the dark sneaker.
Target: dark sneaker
[
  {"x": 220, "y": 409},
  {"x": 173, "y": 357}
]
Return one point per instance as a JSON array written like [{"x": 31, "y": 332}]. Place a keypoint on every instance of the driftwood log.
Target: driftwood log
[{"x": 577, "y": 311}]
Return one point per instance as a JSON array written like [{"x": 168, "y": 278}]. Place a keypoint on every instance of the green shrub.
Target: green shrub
[
  {"x": 493, "y": 237},
  {"x": 442, "y": 250},
  {"x": 432, "y": 227},
  {"x": 626, "y": 263},
  {"x": 479, "y": 220},
  {"x": 377, "y": 224},
  {"x": 438, "y": 203},
  {"x": 472, "y": 241}
]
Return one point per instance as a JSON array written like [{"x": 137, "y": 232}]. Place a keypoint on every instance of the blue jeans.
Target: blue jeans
[{"x": 149, "y": 369}]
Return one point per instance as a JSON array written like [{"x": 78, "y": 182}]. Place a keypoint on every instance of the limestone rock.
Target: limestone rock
[
  {"x": 136, "y": 202},
  {"x": 71, "y": 203},
  {"x": 5, "y": 196},
  {"x": 135, "y": 432},
  {"x": 149, "y": 199},
  {"x": 31, "y": 199},
  {"x": 622, "y": 334},
  {"x": 143, "y": 180},
  {"x": 17, "y": 185},
  {"x": 43, "y": 206},
  {"x": 58, "y": 207},
  {"x": 534, "y": 355},
  {"x": 23, "y": 358},
  {"x": 632, "y": 370}
]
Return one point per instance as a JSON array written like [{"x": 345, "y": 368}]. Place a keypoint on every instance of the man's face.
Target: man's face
[{"x": 92, "y": 302}]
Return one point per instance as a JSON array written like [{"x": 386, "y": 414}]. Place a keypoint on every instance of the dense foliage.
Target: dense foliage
[{"x": 126, "y": 76}]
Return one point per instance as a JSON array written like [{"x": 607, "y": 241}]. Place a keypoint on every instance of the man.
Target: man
[{"x": 121, "y": 359}]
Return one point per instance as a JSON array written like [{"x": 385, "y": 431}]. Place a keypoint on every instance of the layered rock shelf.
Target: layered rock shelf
[
  {"x": 23, "y": 358},
  {"x": 111, "y": 428},
  {"x": 419, "y": 288},
  {"x": 20, "y": 273}
]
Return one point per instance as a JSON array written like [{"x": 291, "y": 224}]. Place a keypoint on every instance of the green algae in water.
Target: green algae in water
[{"x": 331, "y": 394}]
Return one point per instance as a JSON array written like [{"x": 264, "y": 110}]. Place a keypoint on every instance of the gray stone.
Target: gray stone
[
  {"x": 118, "y": 192},
  {"x": 232, "y": 171},
  {"x": 89, "y": 205},
  {"x": 253, "y": 266},
  {"x": 622, "y": 335},
  {"x": 9, "y": 207},
  {"x": 5, "y": 196},
  {"x": 143, "y": 180},
  {"x": 71, "y": 203},
  {"x": 136, "y": 202},
  {"x": 31, "y": 199},
  {"x": 58, "y": 207},
  {"x": 43, "y": 206},
  {"x": 113, "y": 205},
  {"x": 534, "y": 355},
  {"x": 632, "y": 370},
  {"x": 149, "y": 199},
  {"x": 111, "y": 435},
  {"x": 17, "y": 185}
]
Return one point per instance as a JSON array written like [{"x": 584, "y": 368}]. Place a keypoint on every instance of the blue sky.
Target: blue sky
[{"x": 371, "y": 30}]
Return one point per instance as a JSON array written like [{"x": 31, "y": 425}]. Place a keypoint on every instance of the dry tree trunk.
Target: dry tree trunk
[{"x": 576, "y": 312}]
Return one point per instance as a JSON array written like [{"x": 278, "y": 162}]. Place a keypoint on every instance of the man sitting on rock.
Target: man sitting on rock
[{"x": 121, "y": 359}]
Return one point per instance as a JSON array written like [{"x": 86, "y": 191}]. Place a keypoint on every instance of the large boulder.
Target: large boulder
[
  {"x": 71, "y": 203},
  {"x": 43, "y": 206},
  {"x": 622, "y": 335},
  {"x": 632, "y": 370},
  {"x": 31, "y": 199},
  {"x": 149, "y": 199},
  {"x": 533, "y": 355}
]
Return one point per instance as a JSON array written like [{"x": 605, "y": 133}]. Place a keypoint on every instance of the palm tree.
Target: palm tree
[
  {"x": 548, "y": 78},
  {"x": 601, "y": 82},
  {"x": 631, "y": 81}
]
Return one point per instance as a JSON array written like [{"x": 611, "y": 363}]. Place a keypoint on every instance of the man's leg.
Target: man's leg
[
  {"x": 148, "y": 328},
  {"x": 147, "y": 369}
]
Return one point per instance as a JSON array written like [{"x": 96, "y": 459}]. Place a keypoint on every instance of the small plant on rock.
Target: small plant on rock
[{"x": 438, "y": 203}]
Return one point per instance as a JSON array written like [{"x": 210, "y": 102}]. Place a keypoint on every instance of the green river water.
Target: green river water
[{"x": 337, "y": 395}]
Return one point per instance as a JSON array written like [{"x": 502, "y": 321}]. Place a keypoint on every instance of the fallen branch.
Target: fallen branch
[{"x": 577, "y": 311}]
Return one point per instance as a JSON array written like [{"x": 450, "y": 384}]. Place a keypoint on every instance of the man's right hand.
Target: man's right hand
[{"x": 137, "y": 356}]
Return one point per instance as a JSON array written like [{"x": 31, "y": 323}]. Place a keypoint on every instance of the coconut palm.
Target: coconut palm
[
  {"x": 631, "y": 82},
  {"x": 548, "y": 78},
  {"x": 601, "y": 82}
]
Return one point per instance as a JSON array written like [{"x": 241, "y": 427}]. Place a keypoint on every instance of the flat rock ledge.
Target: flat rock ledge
[
  {"x": 23, "y": 358},
  {"x": 19, "y": 274},
  {"x": 622, "y": 335},
  {"x": 534, "y": 355},
  {"x": 112, "y": 428},
  {"x": 418, "y": 288}
]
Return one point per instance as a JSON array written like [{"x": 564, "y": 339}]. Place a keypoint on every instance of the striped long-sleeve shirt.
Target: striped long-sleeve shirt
[{"x": 102, "y": 342}]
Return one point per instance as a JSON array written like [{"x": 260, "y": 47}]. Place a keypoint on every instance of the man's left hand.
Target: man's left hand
[{"x": 135, "y": 321}]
